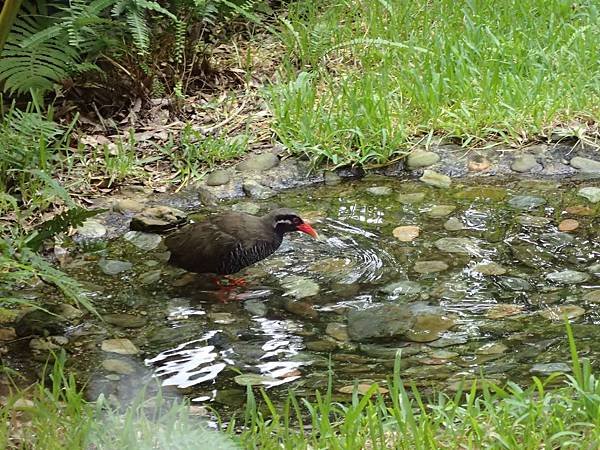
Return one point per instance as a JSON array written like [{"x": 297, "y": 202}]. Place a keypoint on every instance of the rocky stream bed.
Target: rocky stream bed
[{"x": 468, "y": 266}]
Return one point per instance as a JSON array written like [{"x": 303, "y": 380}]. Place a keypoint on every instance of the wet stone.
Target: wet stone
[
  {"x": 590, "y": 193},
  {"x": 254, "y": 189},
  {"x": 125, "y": 320},
  {"x": 258, "y": 163},
  {"x": 338, "y": 331},
  {"x": 568, "y": 277},
  {"x": 43, "y": 345},
  {"x": 406, "y": 233},
  {"x": 91, "y": 229},
  {"x": 558, "y": 239},
  {"x": 429, "y": 325},
  {"x": 440, "y": 211},
  {"x": 113, "y": 266},
  {"x": 449, "y": 340},
  {"x": 533, "y": 221},
  {"x": 256, "y": 307},
  {"x": 454, "y": 224},
  {"x": 67, "y": 311},
  {"x": 525, "y": 163},
  {"x": 526, "y": 202},
  {"x": 592, "y": 296},
  {"x": 418, "y": 159},
  {"x": 457, "y": 245},
  {"x": 502, "y": 310},
  {"x": 435, "y": 179},
  {"x": 157, "y": 218},
  {"x": 546, "y": 369},
  {"x": 299, "y": 287},
  {"x": 331, "y": 178},
  {"x": 515, "y": 284},
  {"x": 301, "y": 308},
  {"x": 127, "y": 205},
  {"x": 218, "y": 178},
  {"x": 118, "y": 366},
  {"x": 585, "y": 165},
  {"x": 558, "y": 313},
  {"x": 492, "y": 348},
  {"x": 143, "y": 241},
  {"x": 402, "y": 288},
  {"x": 430, "y": 266},
  {"x": 247, "y": 207},
  {"x": 379, "y": 191},
  {"x": 150, "y": 277},
  {"x": 39, "y": 322},
  {"x": 321, "y": 346},
  {"x": 222, "y": 318},
  {"x": 120, "y": 346},
  {"x": 594, "y": 269},
  {"x": 412, "y": 198},
  {"x": 478, "y": 164},
  {"x": 568, "y": 225},
  {"x": 489, "y": 269}
]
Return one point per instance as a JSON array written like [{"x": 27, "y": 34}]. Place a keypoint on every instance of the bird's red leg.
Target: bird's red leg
[{"x": 238, "y": 282}]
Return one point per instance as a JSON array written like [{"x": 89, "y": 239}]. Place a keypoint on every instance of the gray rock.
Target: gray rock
[
  {"x": 585, "y": 165},
  {"x": 43, "y": 345},
  {"x": 489, "y": 269},
  {"x": 453, "y": 224},
  {"x": 321, "y": 345},
  {"x": 546, "y": 369},
  {"x": 418, "y": 159},
  {"x": 118, "y": 366},
  {"x": 568, "y": 277},
  {"x": 515, "y": 284},
  {"x": 39, "y": 322},
  {"x": 258, "y": 163},
  {"x": 113, "y": 266},
  {"x": 379, "y": 191},
  {"x": 435, "y": 179},
  {"x": 150, "y": 277},
  {"x": 301, "y": 308},
  {"x": 125, "y": 320},
  {"x": 430, "y": 266},
  {"x": 465, "y": 246},
  {"x": 591, "y": 193},
  {"x": 533, "y": 221},
  {"x": 417, "y": 321},
  {"x": 67, "y": 311},
  {"x": 120, "y": 346},
  {"x": 127, "y": 205},
  {"x": 449, "y": 340},
  {"x": 338, "y": 331},
  {"x": 256, "y": 307},
  {"x": 299, "y": 287},
  {"x": 91, "y": 229},
  {"x": 402, "y": 288},
  {"x": 592, "y": 296},
  {"x": 157, "y": 218},
  {"x": 526, "y": 202},
  {"x": 594, "y": 269},
  {"x": 558, "y": 239},
  {"x": 558, "y": 313},
  {"x": 218, "y": 178},
  {"x": 491, "y": 348},
  {"x": 439, "y": 211},
  {"x": 412, "y": 198},
  {"x": 254, "y": 189},
  {"x": 143, "y": 241},
  {"x": 525, "y": 163},
  {"x": 247, "y": 207},
  {"x": 331, "y": 178}
]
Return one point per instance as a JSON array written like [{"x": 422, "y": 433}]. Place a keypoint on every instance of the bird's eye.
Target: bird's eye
[{"x": 297, "y": 221}]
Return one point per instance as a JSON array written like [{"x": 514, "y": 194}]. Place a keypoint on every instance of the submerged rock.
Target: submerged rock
[
  {"x": 39, "y": 322},
  {"x": 439, "y": 211},
  {"x": 558, "y": 313},
  {"x": 515, "y": 284},
  {"x": 462, "y": 245},
  {"x": 533, "y": 221},
  {"x": 402, "y": 288},
  {"x": 338, "y": 331},
  {"x": 454, "y": 224},
  {"x": 568, "y": 225},
  {"x": 299, "y": 287},
  {"x": 411, "y": 198},
  {"x": 436, "y": 179},
  {"x": 406, "y": 233},
  {"x": 590, "y": 193},
  {"x": 526, "y": 202},
  {"x": 118, "y": 366},
  {"x": 125, "y": 320},
  {"x": 113, "y": 266},
  {"x": 120, "y": 346},
  {"x": 491, "y": 348},
  {"x": 254, "y": 189},
  {"x": 157, "y": 218},
  {"x": 430, "y": 266},
  {"x": 127, "y": 205},
  {"x": 379, "y": 191},
  {"x": 592, "y": 296},
  {"x": 489, "y": 269},
  {"x": 218, "y": 178},
  {"x": 546, "y": 369},
  {"x": 301, "y": 308},
  {"x": 568, "y": 277}
]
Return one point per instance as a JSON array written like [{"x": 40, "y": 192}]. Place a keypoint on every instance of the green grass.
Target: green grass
[
  {"x": 363, "y": 80},
  {"x": 553, "y": 413}
]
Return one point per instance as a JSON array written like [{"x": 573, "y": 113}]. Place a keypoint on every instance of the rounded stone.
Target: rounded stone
[
  {"x": 568, "y": 225},
  {"x": 439, "y": 211},
  {"x": 127, "y": 205},
  {"x": 125, "y": 320},
  {"x": 254, "y": 189},
  {"x": 591, "y": 193},
  {"x": 558, "y": 313},
  {"x": 91, "y": 229},
  {"x": 489, "y": 269},
  {"x": 568, "y": 277},
  {"x": 157, "y": 218},
  {"x": 502, "y": 310},
  {"x": 120, "y": 346},
  {"x": 453, "y": 224},
  {"x": 411, "y": 198},
  {"x": 533, "y": 221},
  {"x": 457, "y": 245},
  {"x": 491, "y": 348},
  {"x": 118, "y": 366},
  {"x": 526, "y": 202},
  {"x": 418, "y": 159},
  {"x": 546, "y": 369},
  {"x": 525, "y": 163},
  {"x": 338, "y": 331},
  {"x": 258, "y": 163},
  {"x": 585, "y": 165},
  {"x": 218, "y": 178},
  {"x": 406, "y": 233},
  {"x": 143, "y": 241},
  {"x": 430, "y": 266},
  {"x": 436, "y": 179},
  {"x": 592, "y": 296},
  {"x": 402, "y": 288},
  {"x": 379, "y": 191},
  {"x": 331, "y": 178},
  {"x": 113, "y": 266}
]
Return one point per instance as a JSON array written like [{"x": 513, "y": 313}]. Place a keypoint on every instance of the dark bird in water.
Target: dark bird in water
[{"x": 226, "y": 243}]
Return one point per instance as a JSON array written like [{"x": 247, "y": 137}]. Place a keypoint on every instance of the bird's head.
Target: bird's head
[{"x": 287, "y": 220}]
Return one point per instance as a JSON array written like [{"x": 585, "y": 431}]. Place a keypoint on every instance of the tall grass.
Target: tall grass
[{"x": 362, "y": 79}]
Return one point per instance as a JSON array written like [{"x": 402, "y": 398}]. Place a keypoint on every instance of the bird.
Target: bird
[{"x": 228, "y": 242}]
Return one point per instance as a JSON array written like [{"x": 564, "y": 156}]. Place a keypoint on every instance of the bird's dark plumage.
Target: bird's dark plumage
[{"x": 226, "y": 243}]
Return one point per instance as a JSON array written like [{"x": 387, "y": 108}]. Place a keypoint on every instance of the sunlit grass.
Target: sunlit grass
[{"x": 363, "y": 79}]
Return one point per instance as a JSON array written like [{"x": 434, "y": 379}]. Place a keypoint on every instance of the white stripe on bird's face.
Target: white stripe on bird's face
[{"x": 283, "y": 222}]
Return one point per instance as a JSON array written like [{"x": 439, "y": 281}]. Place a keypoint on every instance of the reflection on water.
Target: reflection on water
[{"x": 489, "y": 275}]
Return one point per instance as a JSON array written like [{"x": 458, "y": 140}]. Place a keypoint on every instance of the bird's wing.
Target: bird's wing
[{"x": 200, "y": 247}]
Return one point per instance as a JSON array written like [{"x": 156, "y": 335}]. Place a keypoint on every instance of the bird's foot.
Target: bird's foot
[{"x": 230, "y": 282}]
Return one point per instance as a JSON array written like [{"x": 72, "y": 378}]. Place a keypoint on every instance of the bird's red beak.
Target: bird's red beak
[{"x": 306, "y": 228}]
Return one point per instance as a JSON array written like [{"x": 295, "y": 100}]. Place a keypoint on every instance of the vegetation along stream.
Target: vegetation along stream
[{"x": 470, "y": 281}]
